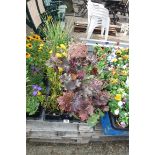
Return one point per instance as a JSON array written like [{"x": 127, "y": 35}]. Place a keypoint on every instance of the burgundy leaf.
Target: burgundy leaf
[
  {"x": 81, "y": 74},
  {"x": 64, "y": 101},
  {"x": 83, "y": 116}
]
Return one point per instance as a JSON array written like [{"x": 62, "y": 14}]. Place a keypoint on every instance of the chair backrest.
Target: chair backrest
[
  {"x": 41, "y": 6},
  {"x": 97, "y": 9},
  {"x": 33, "y": 13}
]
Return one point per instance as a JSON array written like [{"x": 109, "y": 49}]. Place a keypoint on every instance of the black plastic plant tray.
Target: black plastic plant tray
[
  {"x": 59, "y": 117},
  {"x": 114, "y": 123},
  {"x": 37, "y": 115}
]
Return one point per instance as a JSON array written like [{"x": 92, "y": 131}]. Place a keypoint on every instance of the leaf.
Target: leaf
[
  {"x": 101, "y": 113},
  {"x": 93, "y": 119},
  {"x": 74, "y": 76},
  {"x": 83, "y": 115},
  {"x": 65, "y": 101}
]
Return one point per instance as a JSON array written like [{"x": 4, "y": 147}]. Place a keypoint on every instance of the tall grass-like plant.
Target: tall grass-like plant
[{"x": 55, "y": 34}]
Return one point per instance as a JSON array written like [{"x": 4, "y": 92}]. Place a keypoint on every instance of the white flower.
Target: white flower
[
  {"x": 127, "y": 82},
  {"x": 120, "y": 103},
  {"x": 125, "y": 114},
  {"x": 123, "y": 125},
  {"x": 120, "y": 90},
  {"x": 124, "y": 67},
  {"x": 124, "y": 94},
  {"x": 110, "y": 68},
  {"x": 113, "y": 50},
  {"x": 116, "y": 111},
  {"x": 109, "y": 58}
]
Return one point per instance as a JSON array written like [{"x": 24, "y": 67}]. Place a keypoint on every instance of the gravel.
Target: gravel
[{"x": 108, "y": 148}]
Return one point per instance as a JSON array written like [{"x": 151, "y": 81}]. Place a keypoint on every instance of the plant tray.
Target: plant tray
[
  {"x": 37, "y": 115},
  {"x": 109, "y": 130},
  {"x": 114, "y": 123},
  {"x": 59, "y": 117}
]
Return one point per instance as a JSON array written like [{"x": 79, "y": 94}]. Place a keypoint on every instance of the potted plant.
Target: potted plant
[
  {"x": 36, "y": 56},
  {"x": 114, "y": 65},
  {"x": 83, "y": 92}
]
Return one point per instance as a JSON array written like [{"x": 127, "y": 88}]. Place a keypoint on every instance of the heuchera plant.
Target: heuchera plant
[{"x": 84, "y": 93}]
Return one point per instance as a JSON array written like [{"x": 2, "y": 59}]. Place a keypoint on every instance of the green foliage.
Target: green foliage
[
  {"x": 113, "y": 66},
  {"x": 94, "y": 118},
  {"x": 55, "y": 35},
  {"x": 32, "y": 105},
  {"x": 55, "y": 88}
]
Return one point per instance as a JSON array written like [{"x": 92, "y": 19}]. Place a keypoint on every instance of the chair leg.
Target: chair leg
[
  {"x": 107, "y": 29},
  {"x": 102, "y": 30},
  {"x": 102, "y": 27},
  {"x": 90, "y": 29}
]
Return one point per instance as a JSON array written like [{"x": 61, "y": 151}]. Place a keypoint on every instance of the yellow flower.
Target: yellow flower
[
  {"x": 29, "y": 45},
  {"x": 49, "y": 18},
  {"x": 36, "y": 37},
  {"x": 63, "y": 46},
  {"x": 41, "y": 45},
  {"x": 39, "y": 93},
  {"x": 118, "y": 52},
  {"x": 50, "y": 51},
  {"x": 127, "y": 50},
  {"x": 58, "y": 47},
  {"x": 114, "y": 60},
  {"x": 113, "y": 81},
  {"x": 125, "y": 57},
  {"x": 58, "y": 55},
  {"x": 60, "y": 69},
  {"x": 40, "y": 48},
  {"x": 64, "y": 54},
  {"x": 28, "y": 38},
  {"x": 118, "y": 97},
  {"x": 124, "y": 73},
  {"x": 28, "y": 55}
]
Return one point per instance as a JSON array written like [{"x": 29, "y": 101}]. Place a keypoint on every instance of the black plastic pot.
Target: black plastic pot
[
  {"x": 59, "y": 117},
  {"x": 114, "y": 123},
  {"x": 51, "y": 116},
  {"x": 37, "y": 115}
]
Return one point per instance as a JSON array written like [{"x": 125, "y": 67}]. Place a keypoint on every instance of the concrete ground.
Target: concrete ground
[{"x": 108, "y": 148}]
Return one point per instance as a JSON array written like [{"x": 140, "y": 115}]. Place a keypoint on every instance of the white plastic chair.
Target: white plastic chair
[{"x": 98, "y": 15}]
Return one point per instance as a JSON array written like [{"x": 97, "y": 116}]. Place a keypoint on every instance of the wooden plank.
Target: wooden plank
[
  {"x": 85, "y": 128},
  {"x": 59, "y": 132},
  {"x": 111, "y": 32},
  {"x": 84, "y": 25},
  {"x": 78, "y": 27}
]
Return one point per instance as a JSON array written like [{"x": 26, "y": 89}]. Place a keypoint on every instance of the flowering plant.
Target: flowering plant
[
  {"x": 115, "y": 66},
  {"x": 36, "y": 56}
]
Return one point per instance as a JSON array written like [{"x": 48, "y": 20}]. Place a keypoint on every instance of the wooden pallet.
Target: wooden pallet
[
  {"x": 59, "y": 132},
  {"x": 82, "y": 27}
]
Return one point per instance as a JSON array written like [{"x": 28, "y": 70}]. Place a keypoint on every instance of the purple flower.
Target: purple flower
[
  {"x": 123, "y": 125},
  {"x": 35, "y": 69},
  {"x": 35, "y": 93},
  {"x": 36, "y": 88}
]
